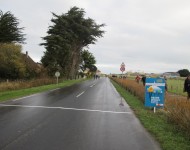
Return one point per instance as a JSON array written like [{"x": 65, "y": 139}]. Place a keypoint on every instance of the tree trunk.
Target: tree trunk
[{"x": 75, "y": 60}]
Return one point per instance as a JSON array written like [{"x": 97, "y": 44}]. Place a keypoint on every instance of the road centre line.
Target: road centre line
[
  {"x": 93, "y": 85},
  {"x": 80, "y": 94},
  {"x": 54, "y": 89},
  {"x": 64, "y": 108}
]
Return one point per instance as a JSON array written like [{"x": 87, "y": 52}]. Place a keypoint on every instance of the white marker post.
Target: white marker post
[
  {"x": 154, "y": 109},
  {"x": 57, "y": 74}
]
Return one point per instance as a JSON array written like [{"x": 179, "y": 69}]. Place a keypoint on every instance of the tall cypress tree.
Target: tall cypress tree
[
  {"x": 66, "y": 38},
  {"x": 9, "y": 30}
]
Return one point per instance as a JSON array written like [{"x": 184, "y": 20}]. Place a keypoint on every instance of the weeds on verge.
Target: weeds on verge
[{"x": 177, "y": 108}]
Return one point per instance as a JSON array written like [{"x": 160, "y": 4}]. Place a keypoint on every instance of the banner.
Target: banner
[{"x": 154, "y": 92}]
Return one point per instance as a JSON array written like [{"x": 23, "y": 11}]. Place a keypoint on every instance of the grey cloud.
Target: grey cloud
[{"x": 148, "y": 35}]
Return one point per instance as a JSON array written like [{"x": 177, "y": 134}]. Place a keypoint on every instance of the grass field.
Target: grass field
[{"x": 176, "y": 86}]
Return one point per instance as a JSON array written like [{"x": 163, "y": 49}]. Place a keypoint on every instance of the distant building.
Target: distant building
[
  {"x": 33, "y": 69},
  {"x": 29, "y": 61},
  {"x": 171, "y": 74},
  {"x": 98, "y": 72}
]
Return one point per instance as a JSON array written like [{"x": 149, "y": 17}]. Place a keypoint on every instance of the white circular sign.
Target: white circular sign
[
  {"x": 57, "y": 73},
  {"x": 122, "y": 65}
]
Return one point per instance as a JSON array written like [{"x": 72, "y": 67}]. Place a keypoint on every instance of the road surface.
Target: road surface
[{"x": 85, "y": 116}]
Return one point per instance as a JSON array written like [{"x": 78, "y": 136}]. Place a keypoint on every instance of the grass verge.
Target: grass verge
[
  {"x": 164, "y": 132},
  {"x": 7, "y": 95}
]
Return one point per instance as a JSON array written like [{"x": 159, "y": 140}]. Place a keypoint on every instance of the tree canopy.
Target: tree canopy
[
  {"x": 66, "y": 38},
  {"x": 88, "y": 60},
  {"x": 11, "y": 63},
  {"x": 9, "y": 30},
  {"x": 184, "y": 72}
]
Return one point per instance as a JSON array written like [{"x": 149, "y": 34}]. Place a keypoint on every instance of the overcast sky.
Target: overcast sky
[{"x": 147, "y": 35}]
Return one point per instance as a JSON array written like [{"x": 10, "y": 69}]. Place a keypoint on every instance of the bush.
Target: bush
[{"x": 178, "y": 112}]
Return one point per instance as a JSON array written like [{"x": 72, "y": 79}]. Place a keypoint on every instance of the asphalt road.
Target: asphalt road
[{"x": 85, "y": 116}]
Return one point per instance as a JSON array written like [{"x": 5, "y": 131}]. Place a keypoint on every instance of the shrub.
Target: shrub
[{"x": 178, "y": 112}]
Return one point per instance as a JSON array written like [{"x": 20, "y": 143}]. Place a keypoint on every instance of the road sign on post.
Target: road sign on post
[
  {"x": 57, "y": 74},
  {"x": 122, "y": 68}
]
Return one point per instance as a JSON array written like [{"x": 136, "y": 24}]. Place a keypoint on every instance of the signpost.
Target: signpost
[
  {"x": 122, "y": 68},
  {"x": 154, "y": 92},
  {"x": 57, "y": 74}
]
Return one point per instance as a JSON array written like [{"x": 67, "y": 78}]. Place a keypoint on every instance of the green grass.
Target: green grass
[
  {"x": 156, "y": 123},
  {"x": 7, "y": 95},
  {"x": 176, "y": 86}
]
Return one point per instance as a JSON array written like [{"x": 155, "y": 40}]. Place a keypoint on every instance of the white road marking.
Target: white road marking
[
  {"x": 54, "y": 89},
  {"x": 64, "y": 108},
  {"x": 33, "y": 95},
  {"x": 24, "y": 97},
  {"x": 80, "y": 94},
  {"x": 93, "y": 85}
]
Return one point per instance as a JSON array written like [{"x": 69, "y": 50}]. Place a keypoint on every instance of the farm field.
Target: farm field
[{"x": 176, "y": 86}]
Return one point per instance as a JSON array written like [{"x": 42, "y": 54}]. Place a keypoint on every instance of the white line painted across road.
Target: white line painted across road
[
  {"x": 80, "y": 94},
  {"x": 64, "y": 108}
]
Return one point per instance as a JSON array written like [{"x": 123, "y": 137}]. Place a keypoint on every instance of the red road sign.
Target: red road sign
[{"x": 122, "y": 68}]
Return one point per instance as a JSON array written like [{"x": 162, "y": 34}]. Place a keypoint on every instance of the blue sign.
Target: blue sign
[{"x": 154, "y": 92}]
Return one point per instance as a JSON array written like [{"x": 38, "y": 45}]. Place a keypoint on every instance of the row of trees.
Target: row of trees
[{"x": 65, "y": 44}]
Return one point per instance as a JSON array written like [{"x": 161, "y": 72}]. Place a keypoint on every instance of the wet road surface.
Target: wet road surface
[{"x": 85, "y": 116}]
